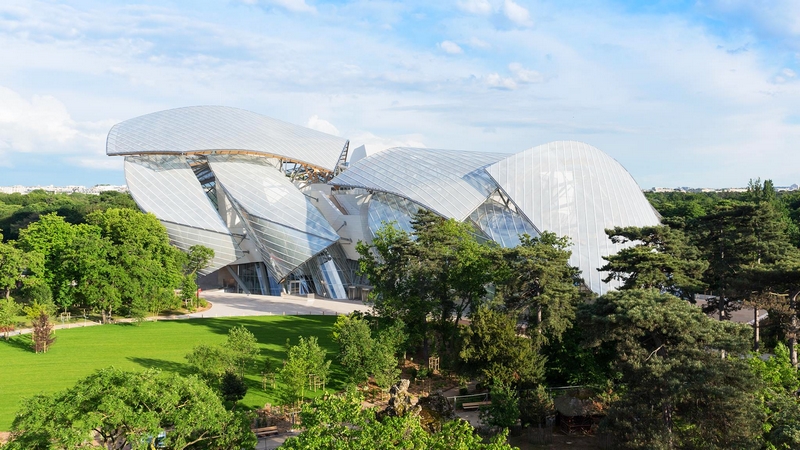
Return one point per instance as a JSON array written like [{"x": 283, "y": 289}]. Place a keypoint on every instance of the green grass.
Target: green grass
[{"x": 79, "y": 352}]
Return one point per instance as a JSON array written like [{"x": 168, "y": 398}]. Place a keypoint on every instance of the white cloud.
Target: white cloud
[
  {"x": 482, "y": 7},
  {"x": 315, "y": 123},
  {"x": 477, "y": 43},
  {"x": 450, "y": 47},
  {"x": 43, "y": 126},
  {"x": 27, "y": 125},
  {"x": 517, "y": 13},
  {"x": 374, "y": 144},
  {"x": 291, "y": 5},
  {"x": 524, "y": 75},
  {"x": 496, "y": 81},
  {"x": 789, "y": 73}
]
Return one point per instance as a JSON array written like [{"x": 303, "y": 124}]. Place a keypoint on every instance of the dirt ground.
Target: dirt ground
[{"x": 560, "y": 441}]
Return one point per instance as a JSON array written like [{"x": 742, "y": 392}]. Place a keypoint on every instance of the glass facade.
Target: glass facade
[
  {"x": 193, "y": 166},
  {"x": 450, "y": 183},
  {"x": 166, "y": 186},
  {"x": 575, "y": 190},
  {"x": 282, "y": 221},
  {"x": 209, "y": 129}
]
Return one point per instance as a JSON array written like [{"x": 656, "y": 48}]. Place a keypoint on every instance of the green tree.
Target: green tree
[
  {"x": 504, "y": 409},
  {"x": 232, "y": 387},
  {"x": 9, "y": 309},
  {"x": 304, "y": 359},
  {"x": 12, "y": 267},
  {"x": 660, "y": 257},
  {"x": 678, "y": 390},
  {"x": 354, "y": 337},
  {"x": 340, "y": 422},
  {"x": 126, "y": 409},
  {"x": 439, "y": 271},
  {"x": 494, "y": 349},
  {"x": 537, "y": 282},
  {"x": 243, "y": 347},
  {"x": 210, "y": 361},
  {"x": 49, "y": 237}
]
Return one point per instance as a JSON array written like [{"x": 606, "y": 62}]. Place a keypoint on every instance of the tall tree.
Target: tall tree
[
  {"x": 493, "y": 348},
  {"x": 678, "y": 391},
  {"x": 440, "y": 271},
  {"x": 659, "y": 257},
  {"x": 536, "y": 282}
]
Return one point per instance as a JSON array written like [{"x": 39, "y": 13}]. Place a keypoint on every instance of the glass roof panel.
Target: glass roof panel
[
  {"x": 573, "y": 189},
  {"x": 209, "y": 128},
  {"x": 448, "y": 182}
]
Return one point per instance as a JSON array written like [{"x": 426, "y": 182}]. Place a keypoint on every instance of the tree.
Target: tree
[
  {"x": 440, "y": 271},
  {"x": 493, "y": 348},
  {"x": 238, "y": 352},
  {"x": 340, "y": 422},
  {"x": 660, "y": 257},
  {"x": 304, "y": 359},
  {"x": 678, "y": 390},
  {"x": 197, "y": 259},
  {"x": 8, "y": 315},
  {"x": 363, "y": 355},
  {"x": 232, "y": 387},
  {"x": 210, "y": 361},
  {"x": 50, "y": 236},
  {"x": 42, "y": 336},
  {"x": 504, "y": 409},
  {"x": 146, "y": 264},
  {"x": 355, "y": 341},
  {"x": 243, "y": 347},
  {"x": 537, "y": 282},
  {"x": 127, "y": 409},
  {"x": 12, "y": 267}
]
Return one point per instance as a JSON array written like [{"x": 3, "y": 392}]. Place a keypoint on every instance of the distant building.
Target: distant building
[{"x": 283, "y": 209}]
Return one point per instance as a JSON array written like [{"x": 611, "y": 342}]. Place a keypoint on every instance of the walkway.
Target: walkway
[{"x": 224, "y": 304}]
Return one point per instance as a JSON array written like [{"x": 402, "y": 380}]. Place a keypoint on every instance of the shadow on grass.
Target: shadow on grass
[
  {"x": 20, "y": 342},
  {"x": 272, "y": 332},
  {"x": 163, "y": 365}
]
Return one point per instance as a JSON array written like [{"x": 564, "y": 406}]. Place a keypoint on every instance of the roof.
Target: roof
[
  {"x": 573, "y": 189},
  {"x": 209, "y": 129},
  {"x": 448, "y": 182}
]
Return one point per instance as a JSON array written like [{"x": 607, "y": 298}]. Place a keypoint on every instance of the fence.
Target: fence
[{"x": 458, "y": 400}]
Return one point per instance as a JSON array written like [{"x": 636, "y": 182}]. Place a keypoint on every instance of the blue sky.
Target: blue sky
[{"x": 682, "y": 93}]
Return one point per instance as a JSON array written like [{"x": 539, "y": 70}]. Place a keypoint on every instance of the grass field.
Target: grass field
[{"x": 163, "y": 345}]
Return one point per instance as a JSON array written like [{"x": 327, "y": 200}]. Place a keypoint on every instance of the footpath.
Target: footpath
[{"x": 224, "y": 304}]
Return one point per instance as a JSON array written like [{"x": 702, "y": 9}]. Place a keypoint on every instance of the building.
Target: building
[{"x": 283, "y": 208}]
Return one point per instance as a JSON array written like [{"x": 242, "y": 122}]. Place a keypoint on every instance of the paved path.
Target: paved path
[{"x": 224, "y": 304}]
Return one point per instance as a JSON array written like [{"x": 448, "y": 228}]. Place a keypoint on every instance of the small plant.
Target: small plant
[
  {"x": 504, "y": 410},
  {"x": 423, "y": 372},
  {"x": 536, "y": 406}
]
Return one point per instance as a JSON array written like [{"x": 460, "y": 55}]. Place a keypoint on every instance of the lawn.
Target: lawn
[{"x": 163, "y": 345}]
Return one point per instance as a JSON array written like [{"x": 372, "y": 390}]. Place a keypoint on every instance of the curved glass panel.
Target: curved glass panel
[
  {"x": 166, "y": 186},
  {"x": 501, "y": 224},
  {"x": 450, "y": 183},
  {"x": 209, "y": 128},
  {"x": 575, "y": 190},
  {"x": 286, "y": 226},
  {"x": 387, "y": 208}
]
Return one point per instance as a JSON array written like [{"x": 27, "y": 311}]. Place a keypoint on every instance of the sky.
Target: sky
[{"x": 702, "y": 93}]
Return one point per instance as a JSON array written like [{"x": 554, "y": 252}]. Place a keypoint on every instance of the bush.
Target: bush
[
  {"x": 504, "y": 410},
  {"x": 535, "y": 406}
]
